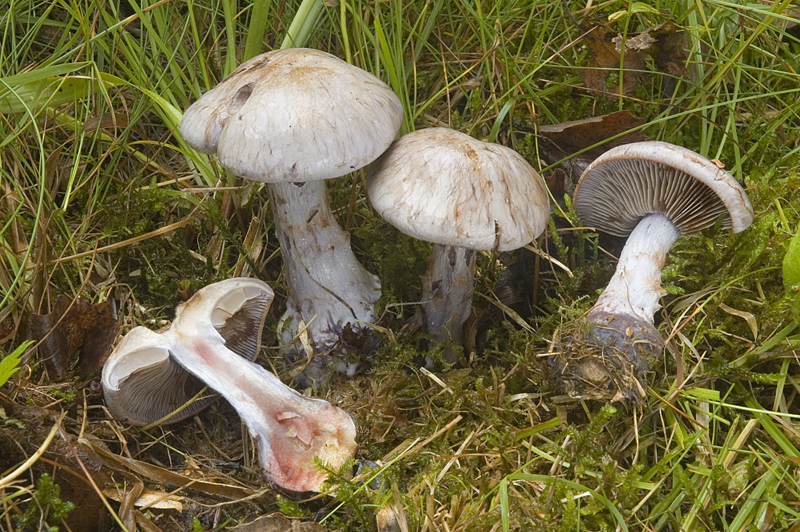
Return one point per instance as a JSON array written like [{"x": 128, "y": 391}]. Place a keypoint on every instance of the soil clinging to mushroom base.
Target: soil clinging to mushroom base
[{"x": 606, "y": 356}]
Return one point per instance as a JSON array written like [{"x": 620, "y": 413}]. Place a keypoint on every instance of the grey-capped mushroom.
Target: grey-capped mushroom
[
  {"x": 653, "y": 192},
  {"x": 463, "y": 195},
  {"x": 210, "y": 342},
  {"x": 292, "y": 118}
]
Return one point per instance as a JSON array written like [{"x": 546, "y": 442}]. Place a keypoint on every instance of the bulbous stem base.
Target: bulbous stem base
[{"x": 608, "y": 353}]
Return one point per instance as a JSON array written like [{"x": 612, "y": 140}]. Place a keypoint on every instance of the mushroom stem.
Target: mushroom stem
[
  {"x": 329, "y": 288},
  {"x": 612, "y": 349},
  {"x": 635, "y": 287},
  {"x": 289, "y": 429},
  {"x": 447, "y": 291},
  {"x": 214, "y": 336}
]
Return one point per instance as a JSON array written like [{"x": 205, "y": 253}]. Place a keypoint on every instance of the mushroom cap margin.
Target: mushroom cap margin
[{"x": 143, "y": 384}]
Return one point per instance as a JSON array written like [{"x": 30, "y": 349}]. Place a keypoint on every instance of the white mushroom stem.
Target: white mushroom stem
[
  {"x": 635, "y": 288},
  {"x": 447, "y": 291},
  {"x": 289, "y": 429},
  {"x": 329, "y": 288}
]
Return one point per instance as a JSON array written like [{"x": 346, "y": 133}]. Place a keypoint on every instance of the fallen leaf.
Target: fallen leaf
[
  {"x": 638, "y": 43},
  {"x": 108, "y": 121},
  {"x": 604, "y": 57},
  {"x": 559, "y": 141},
  {"x": 667, "y": 44},
  {"x": 148, "y": 498},
  {"x": 132, "y": 468},
  {"x": 559, "y": 183},
  {"x": 72, "y": 326}
]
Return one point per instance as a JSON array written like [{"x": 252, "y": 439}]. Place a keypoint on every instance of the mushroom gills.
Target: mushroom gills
[
  {"x": 656, "y": 192},
  {"x": 210, "y": 343}
]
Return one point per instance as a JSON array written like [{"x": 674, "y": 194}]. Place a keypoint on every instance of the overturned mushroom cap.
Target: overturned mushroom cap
[
  {"x": 448, "y": 188},
  {"x": 294, "y": 115},
  {"x": 208, "y": 331},
  {"x": 631, "y": 181},
  {"x": 142, "y": 383}
]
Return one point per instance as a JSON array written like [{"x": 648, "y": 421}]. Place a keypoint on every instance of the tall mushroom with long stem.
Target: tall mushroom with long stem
[
  {"x": 152, "y": 377},
  {"x": 462, "y": 195},
  {"x": 654, "y": 192},
  {"x": 293, "y": 118}
]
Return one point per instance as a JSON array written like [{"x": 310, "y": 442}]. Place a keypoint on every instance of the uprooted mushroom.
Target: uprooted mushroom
[
  {"x": 655, "y": 192},
  {"x": 154, "y": 376}
]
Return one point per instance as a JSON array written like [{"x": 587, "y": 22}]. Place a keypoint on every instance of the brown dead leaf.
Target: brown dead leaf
[
  {"x": 638, "y": 43},
  {"x": 666, "y": 43},
  {"x": 559, "y": 183},
  {"x": 603, "y": 56},
  {"x": 133, "y": 469},
  {"x": 559, "y": 141},
  {"x": 54, "y": 171},
  {"x": 110, "y": 122},
  {"x": 670, "y": 52},
  {"x": 70, "y": 327}
]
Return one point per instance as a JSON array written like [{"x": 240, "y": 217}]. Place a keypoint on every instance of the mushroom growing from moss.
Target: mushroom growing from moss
[
  {"x": 462, "y": 195},
  {"x": 655, "y": 192},
  {"x": 211, "y": 341},
  {"x": 293, "y": 118}
]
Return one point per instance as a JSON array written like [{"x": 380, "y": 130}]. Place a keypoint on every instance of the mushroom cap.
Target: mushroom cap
[
  {"x": 448, "y": 188},
  {"x": 141, "y": 381},
  {"x": 630, "y": 181},
  {"x": 294, "y": 115}
]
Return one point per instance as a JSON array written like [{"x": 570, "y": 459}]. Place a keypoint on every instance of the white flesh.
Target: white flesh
[
  {"x": 289, "y": 429},
  {"x": 209, "y": 337}
]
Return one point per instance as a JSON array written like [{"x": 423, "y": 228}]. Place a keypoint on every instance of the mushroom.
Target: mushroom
[
  {"x": 463, "y": 195},
  {"x": 293, "y": 118},
  {"x": 211, "y": 341},
  {"x": 655, "y": 192}
]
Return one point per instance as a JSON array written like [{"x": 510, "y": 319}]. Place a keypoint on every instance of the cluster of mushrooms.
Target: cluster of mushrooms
[{"x": 293, "y": 118}]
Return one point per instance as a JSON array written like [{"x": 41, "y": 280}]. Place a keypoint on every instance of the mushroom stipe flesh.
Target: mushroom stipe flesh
[{"x": 211, "y": 341}]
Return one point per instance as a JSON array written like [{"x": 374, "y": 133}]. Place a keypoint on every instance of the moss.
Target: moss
[{"x": 46, "y": 507}]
